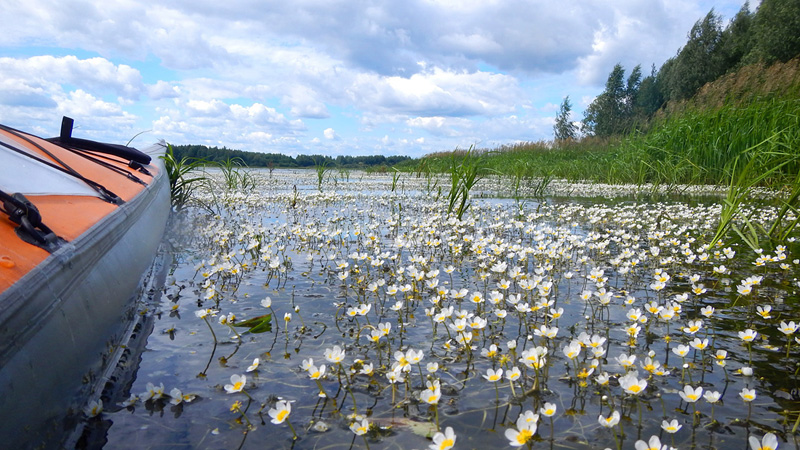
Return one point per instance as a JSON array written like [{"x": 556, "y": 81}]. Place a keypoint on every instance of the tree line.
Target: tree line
[
  {"x": 770, "y": 34},
  {"x": 255, "y": 159}
]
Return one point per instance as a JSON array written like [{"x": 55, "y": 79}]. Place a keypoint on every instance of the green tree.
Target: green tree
[
  {"x": 737, "y": 39},
  {"x": 612, "y": 112},
  {"x": 776, "y": 31},
  {"x": 701, "y": 60},
  {"x": 564, "y": 128},
  {"x": 649, "y": 99},
  {"x": 631, "y": 93}
]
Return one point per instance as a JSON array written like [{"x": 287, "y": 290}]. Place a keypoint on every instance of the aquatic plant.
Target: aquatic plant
[
  {"x": 503, "y": 320},
  {"x": 466, "y": 169},
  {"x": 395, "y": 178},
  {"x": 183, "y": 177},
  {"x": 763, "y": 165},
  {"x": 236, "y": 176},
  {"x": 321, "y": 169}
]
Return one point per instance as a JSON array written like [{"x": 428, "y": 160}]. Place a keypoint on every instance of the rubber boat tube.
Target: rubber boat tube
[{"x": 62, "y": 320}]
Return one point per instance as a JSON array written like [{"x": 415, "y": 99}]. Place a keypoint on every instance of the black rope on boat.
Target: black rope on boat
[
  {"x": 23, "y": 212},
  {"x": 98, "y": 159},
  {"x": 123, "y": 151},
  {"x": 105, "y": 194}
]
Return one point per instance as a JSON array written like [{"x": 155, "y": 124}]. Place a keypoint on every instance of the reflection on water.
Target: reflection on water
[{"x": 574, "y": 294}]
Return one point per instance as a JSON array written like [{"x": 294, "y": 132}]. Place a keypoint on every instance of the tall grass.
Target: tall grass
[
  {"x": 183, "y": 179},
  {"x": 322, "y": 169},
  {"x": 466, "y": 169},
  {"x": 764, "y": 166},
  {"x": 742, "y": 145},
  {"x": 187, "y": 174},
  {"x": 236, "y": 176},
  {"x": 699, "y": 145},
  {"x": 696, "y": 146}
]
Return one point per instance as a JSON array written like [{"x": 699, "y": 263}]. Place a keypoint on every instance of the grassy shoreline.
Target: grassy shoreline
[{"x": 695, "y": 147}]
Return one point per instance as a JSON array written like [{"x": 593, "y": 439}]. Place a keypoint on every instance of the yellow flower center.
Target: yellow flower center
[
  {"x": 237, "y": 386},
  {"x": 524, "y": 436},
  {"x": 447, "y": 443},
  {"x": 635, "y": 388},
  {"x": 282, "y": 415}
]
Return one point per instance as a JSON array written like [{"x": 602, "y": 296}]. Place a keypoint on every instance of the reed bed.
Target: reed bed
[{"x": 698, "y": 146}]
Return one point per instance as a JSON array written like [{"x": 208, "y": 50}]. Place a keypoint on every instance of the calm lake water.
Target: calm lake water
[{"x": 611, "y": 289}]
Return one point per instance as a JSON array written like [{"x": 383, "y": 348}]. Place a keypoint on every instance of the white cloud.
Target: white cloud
[
  {"x": 473, "y": 44},
  {"x": 330, "y": 134},
  {"x": 438, "y": 92},
  {"x": 440, "y": 126},
  {"x": 162, "y": 90},
  {"x": 304, "y": 102},
  {"x": 258, "y": 114},
  {"x": 95, "y": 74},
  {"x": 16, "y": 92},
  {"x": 435, "y": 73},
  {"x": 200, "y": 108}
]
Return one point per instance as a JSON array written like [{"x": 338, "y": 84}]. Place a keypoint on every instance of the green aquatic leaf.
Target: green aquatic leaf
[{"x": 260, "y": 324}]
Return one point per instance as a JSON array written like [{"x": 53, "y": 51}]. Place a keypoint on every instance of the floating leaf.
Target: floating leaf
[
  {"x": 258, "y": 324},
  {"x": 424, "y": 429}
]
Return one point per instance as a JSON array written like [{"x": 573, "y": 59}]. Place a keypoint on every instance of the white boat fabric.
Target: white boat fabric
[{"x": 19, "y": 173}]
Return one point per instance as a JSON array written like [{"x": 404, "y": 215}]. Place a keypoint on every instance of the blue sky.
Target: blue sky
[{"x": 324, "y": 77}]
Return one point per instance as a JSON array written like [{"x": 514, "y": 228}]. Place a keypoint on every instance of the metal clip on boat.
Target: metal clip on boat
[{"x": 31, "y": 229}]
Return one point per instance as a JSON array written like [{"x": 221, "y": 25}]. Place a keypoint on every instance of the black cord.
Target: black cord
[{"x": 100, "y": 189}]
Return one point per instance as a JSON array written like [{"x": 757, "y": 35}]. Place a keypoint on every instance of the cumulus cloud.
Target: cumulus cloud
[
  {"x": 386, "y": 38},
  {"x": 259, "y": 114},
  {"x": 202, "y": 108},
  {"x": 438, "y": 92},
  {"x": 423, "y": 73},
  {"x": 473, "y": 44},
  {"x": 214, "y": 122},
  {"x": 330, "y": 134},
  {"x": 440, "y": 126},
  {"x": 162, "y": 90},
  {"x": 304, "y": 102},
  {"x": 16, "y": 92},
  {"x": 80, "y": 103},
  {"x": 95, "y": 74}
]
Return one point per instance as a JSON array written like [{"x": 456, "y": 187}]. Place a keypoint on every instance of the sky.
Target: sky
[{"x": 327, "y": 77}]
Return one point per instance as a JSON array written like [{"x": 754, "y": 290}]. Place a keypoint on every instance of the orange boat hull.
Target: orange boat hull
[{"x": 63, "y": 316}]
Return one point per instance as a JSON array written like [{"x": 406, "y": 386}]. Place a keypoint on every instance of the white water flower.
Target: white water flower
[
  {"x": 237, "y": 384},
  {"x": 443, "y": 441}
]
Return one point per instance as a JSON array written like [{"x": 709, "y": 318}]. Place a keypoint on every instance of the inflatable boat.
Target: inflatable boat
[{"x": 80, "y": 224}]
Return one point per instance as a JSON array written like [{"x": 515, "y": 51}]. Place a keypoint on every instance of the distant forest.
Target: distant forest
[{"x": 254, "y": 159}]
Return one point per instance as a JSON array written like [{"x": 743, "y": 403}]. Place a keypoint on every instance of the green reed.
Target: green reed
[
  {"x": 181, "y": 182},
  {"x": 694, "y": 146},
  {"x": 322, "y": 169},
  {"x": 466, "y": 169},
  {"x": 235, "y": 176}
]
